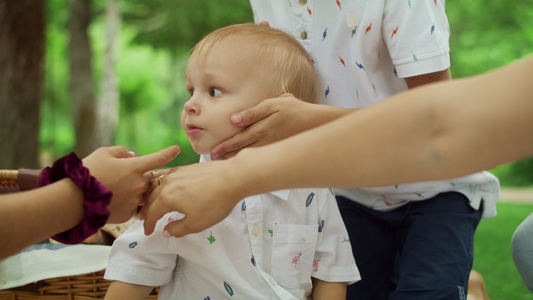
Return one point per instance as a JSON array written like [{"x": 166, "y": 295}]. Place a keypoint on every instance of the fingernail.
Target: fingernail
[
  {"x": 236, "y": 119},
  {"x": 166, "y": 234},
  {"x": 132, "y": 153}
]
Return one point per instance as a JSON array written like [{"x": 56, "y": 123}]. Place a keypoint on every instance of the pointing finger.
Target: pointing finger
[{"x": 158, "y": 159}]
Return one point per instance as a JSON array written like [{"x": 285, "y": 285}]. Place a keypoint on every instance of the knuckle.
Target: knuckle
[{"x": 260, "y": 134}]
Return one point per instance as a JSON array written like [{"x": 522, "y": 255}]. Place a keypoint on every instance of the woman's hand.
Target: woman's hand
[
  {"x": 273, "y": 120},
  {"x": 205, "y": 193},
  {"x": 126, "y": 176}
]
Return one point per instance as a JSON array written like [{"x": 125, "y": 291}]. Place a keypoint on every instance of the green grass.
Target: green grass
[{"x": 493, "y": 257}]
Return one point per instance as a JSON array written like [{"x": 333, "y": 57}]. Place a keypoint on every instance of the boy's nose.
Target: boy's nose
[{"x": 191, "y": 107}]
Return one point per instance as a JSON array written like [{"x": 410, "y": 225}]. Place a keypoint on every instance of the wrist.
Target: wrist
[
  {"x": 96, "y": 197},
  {"x": 246, "y": 173}
]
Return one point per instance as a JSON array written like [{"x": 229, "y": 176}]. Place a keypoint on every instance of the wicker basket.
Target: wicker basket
[{"x": 79, "y": 287}]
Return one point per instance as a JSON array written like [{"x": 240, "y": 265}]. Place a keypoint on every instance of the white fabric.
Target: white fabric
[
  {"x": 35, "y": 265},
  {"x": 361, "y": 50},
  {"x": 269, "y": 247}
]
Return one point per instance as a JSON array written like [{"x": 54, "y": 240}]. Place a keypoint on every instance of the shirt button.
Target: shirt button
[
  {"x": 303, "y": 2},
  {"x": 303, "y": 35},
  {"x": 272, "y": 281},
  {"x": 256, "y": 230}
]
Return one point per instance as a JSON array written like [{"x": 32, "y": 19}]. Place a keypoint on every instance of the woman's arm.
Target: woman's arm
[
  {"x": 31, "y": 216},
  {"x": 436, "y": 131}
]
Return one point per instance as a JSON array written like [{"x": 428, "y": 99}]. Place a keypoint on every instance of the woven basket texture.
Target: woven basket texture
[{"x": 80, "y": 287}]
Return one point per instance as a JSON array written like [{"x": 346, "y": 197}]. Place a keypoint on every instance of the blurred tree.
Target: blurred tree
[
  {"x": 108, "y": 101},
  {"x": 21, "y": 61},
  {"x": 81, "y": 77},
  {"x": 176, "y": 25}
]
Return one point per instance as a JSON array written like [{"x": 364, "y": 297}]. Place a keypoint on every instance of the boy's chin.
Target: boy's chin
[{"x": 202, "y": 150}]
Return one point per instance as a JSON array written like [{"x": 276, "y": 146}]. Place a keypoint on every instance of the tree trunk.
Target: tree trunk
[
  {"x": 108, "y": 102},
  {"x": 81, "y": 77},
  {"x": 21, "y": 73}
]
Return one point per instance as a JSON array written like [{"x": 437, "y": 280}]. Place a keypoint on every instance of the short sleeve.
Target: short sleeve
[
  {"x": 139, "y": 259},
  {"x": 417, "y": 36},
  {"x": 334, "y": 259}
]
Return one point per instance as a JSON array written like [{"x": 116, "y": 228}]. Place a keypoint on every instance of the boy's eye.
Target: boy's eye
[
  {"x": 215, "y": 92},
  {"x": 191, "y": 92}
]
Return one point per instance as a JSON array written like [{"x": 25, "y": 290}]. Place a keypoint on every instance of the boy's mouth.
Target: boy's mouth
[{"x": 193, "y": 130}]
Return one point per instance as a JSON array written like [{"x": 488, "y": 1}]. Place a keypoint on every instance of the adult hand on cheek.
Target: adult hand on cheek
[
  {"x": 273, "y": 120},
  {"x": 126, "y": 176}
]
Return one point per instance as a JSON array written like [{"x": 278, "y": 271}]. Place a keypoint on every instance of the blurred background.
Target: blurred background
[
  {"x": 106, "y": 72},
  {"x": 79, "y": 74}
]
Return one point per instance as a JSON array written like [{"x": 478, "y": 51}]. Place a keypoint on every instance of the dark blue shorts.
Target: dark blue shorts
[{"x": 423, "y": 250}]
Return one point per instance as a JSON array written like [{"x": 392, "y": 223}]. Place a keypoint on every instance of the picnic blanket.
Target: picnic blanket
[{"x": 44, "y": 261}]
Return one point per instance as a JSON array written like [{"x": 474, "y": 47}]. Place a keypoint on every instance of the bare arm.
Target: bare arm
[
  {"x": 120, "y": 290},
  {"x": 31, "y": 216},
  {"x": 436, "y": 131},
  {"x": 323, "y": 290}
]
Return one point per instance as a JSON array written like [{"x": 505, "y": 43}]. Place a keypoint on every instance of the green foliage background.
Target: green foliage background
[
  {"x": 487, "y": 35},
  {"x": 157, "y": 35}
]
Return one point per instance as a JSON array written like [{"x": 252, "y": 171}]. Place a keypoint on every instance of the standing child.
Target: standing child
[
  {"x": 282, "y": 245},
  {"x": 415, "y": 240}
]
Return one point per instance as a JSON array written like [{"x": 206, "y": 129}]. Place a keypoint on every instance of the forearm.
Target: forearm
[
  {"x": 323, "y": 290},
  {"x": 433, "y": 132},
  {"x": 29, "y": 217},
  {"x": 323, "y": 114}
]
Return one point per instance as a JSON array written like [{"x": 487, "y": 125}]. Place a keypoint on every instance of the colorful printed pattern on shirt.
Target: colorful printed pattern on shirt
[{"x": 350, "y": 41}]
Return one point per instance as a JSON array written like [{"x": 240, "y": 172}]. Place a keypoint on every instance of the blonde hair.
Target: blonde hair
[{"x": 290, "y": 63}]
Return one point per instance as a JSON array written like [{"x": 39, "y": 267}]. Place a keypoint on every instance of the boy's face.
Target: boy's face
[{"x": 226, "y": 81}]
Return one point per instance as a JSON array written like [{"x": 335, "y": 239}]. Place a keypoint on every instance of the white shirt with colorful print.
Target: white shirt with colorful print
[
  {"x": 362, "y": 49},
  {"x": 269, "y": 247}
]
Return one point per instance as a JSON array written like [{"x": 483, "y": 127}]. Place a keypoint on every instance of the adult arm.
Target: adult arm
[
  {"x": 436, "y": 131},
  {"x": 432, "y": 132},
  {"x": 31, "y": 216}
]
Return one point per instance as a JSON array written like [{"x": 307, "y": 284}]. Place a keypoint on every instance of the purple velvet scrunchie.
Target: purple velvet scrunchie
[{"x": 96, "y": 197}]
